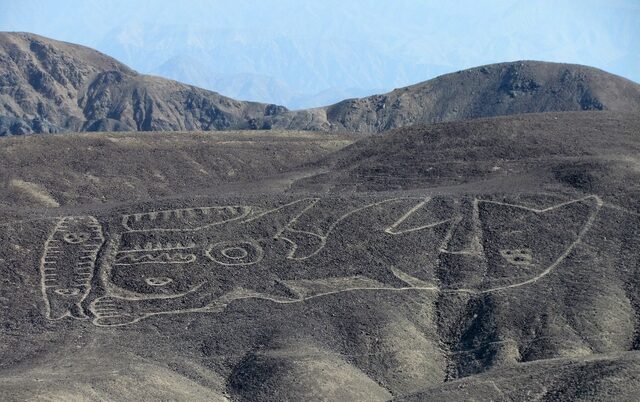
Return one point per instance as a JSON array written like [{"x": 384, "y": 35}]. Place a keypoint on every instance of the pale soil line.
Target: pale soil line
[
  {"x": 324, "y": 237},
  {"x": 35, "y": 191},
  {"x": 138, "y": 216},
  {"x": 621, "y": 209},
  {"x": 391, "y": 229},
  {"x": 83, "y": 270},
  {"x": 568, "y": 251},
  {"x": 586, "y": 227}
]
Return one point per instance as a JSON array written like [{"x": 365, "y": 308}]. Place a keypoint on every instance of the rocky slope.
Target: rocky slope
[
  {"x": 70, "y": 170},
  {"x": 588, "y": 151},
  {"x": 493, "y": 259},
  {"x": 51, "y": 86},
  {"x": 492, "y": 90}
]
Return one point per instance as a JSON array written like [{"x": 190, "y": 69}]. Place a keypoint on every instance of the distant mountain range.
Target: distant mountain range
[
  {"x": 335, "y": 48},
  {"x": 52, "y": 86},
  {"x": 492, "y": 90},
  {"x": 259, "y": 87}
]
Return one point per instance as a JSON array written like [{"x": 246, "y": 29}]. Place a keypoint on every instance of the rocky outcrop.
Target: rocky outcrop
[
  {"x": 493, "y": 90},
  {"x": 51, "y": 86}
]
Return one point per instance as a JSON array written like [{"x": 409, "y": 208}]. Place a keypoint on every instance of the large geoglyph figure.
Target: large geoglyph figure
[{"x": 202, "y": 259}]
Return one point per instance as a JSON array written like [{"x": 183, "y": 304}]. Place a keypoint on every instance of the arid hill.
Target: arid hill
[
  {"x": 52, "y": 86},
  {"x": 87, "y": 168},
  {"x": 491, "y": 259},
  {"x": 492, "y": 90},
  {"x": 587, "y": 151}
]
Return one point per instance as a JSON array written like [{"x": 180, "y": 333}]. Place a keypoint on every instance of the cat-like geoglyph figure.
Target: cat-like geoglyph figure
[{"x": 201, "y": 259}]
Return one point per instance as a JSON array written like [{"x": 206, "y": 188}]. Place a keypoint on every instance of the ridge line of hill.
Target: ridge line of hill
[{"x": 51, "y": 86}]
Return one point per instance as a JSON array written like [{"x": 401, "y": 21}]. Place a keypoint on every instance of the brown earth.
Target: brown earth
[
  {"x": 51, "y": 86},
  {"x": 493, "y": 259}
]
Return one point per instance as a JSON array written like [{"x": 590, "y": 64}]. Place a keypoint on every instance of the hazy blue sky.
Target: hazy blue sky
[{"x": 304, "y": 53}]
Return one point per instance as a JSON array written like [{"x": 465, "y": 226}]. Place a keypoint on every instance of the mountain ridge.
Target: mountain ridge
[
  {"x": 485, "y": 91},
  {"x": 52, "y": 86}
]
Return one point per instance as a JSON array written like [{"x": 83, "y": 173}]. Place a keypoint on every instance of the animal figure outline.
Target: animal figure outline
[{"x": 242, "y": 252}]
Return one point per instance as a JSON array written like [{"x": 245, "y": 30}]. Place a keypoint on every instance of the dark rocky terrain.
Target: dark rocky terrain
[
  {"x": 51, "y": 86},
  {"x": 119, "y": 167},
  {"x": 588, "y": 151},
  {"x": 492, "y": 90},
  {"x": 491, "y": 259}
]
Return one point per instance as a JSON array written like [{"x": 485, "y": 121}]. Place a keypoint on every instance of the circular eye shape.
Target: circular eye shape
[
  {"x": 161, "y": 281},
  {"x": 76, "y": 237},
  {"x": 235, "y": 253},
  {"x": 67, "y": 292}
]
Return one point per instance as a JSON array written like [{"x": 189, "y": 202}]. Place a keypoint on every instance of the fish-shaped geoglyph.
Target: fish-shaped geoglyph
[{"x": 67, "y": 265}]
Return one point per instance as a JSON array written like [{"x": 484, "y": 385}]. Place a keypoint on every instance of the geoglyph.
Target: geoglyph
[{"x": 201, "y": 259}]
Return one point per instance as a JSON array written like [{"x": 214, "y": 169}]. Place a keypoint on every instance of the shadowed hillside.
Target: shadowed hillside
[
  {"x": 51, "y": 86},
  {"x": 494, "y": 259},
  {"x": 492, "y": 90}
]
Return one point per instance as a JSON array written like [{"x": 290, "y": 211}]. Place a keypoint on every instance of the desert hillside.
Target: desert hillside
[
  {"x": 491, "y": 259},
  {"x": 492, "y": 90},
  {"x": 51, "y": 86}
]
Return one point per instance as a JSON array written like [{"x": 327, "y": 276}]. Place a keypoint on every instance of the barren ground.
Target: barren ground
[{"x": 494, "y": 259}]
